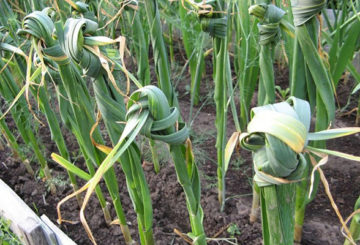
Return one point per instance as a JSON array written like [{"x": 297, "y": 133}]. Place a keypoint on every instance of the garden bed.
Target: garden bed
[{"x": 321, "y": 223}]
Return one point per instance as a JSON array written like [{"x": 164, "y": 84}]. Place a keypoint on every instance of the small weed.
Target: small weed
[
  {"x": 198, "y": 140},
  {"x": 59, "y": 180},
  {"x": 283, "y": 94},
  {"x": 35, "y": 208},
  {"x": 208, "y": 98},
  {"x": 76, "y": 155},
  {"x": 233, "y": 230},
  {"x": 7, "y": 237},
  {"x": 238, "y": 163},
  {"x": 211, "y": 181},
  {"x": 40, "y": 174}
]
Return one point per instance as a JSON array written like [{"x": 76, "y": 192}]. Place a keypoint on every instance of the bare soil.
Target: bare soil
[{"x": 321, "y": 223}]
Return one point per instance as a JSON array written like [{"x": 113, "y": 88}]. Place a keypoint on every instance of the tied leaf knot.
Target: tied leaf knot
[
  {"x": 162, "y": 123},
  {"x": 269, "y": 26},
  {"x": 277, "y": 135}
]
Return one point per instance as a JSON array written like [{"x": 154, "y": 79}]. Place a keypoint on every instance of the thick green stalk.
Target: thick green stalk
[
  {"x": 278, "y": 207},
  {"x": 220, "y": 97},
  {"x": 269, "y": 34},
  {"x": 188, "y": 177},
  {"x": 309, "y": 74},
  {"x": 298, "y": 79},
  {"x": 255, "y": 205},
  {"x": 192, "y": 198},
  {"x": 231, "y": 99},
  {"x": 85, "y": 119},
  {"x": 279, "y": 162},
  {"x": 300, "y": 205},
  {"x": 154, "y": 155},
  {"x": 266, "y": 93},
  {"x": 159, "y": 51},
  {"x": 299, "y": 89}
]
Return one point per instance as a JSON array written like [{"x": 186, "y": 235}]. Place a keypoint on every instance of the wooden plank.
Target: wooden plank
[
  {"x": 24, "y": 222},
  {"x": 61, "y": 237},
  {"x": 30, "y": 229},
  {"x": 33, "y": 232}
]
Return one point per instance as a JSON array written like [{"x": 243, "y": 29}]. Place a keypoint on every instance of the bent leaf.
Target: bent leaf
[{"x": 229, "y": 148}]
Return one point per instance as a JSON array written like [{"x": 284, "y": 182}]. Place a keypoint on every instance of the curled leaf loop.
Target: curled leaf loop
[
  {"x": 277, "y": 145},
  {"x": 40, "y": 26},
  {"x": 216, "y": 27},
  {"x": 162, "y": 119},
  {"x": 74, "y": 42},
  {"x": 304, "y": 10},
  {"x": 269, "y": 26}
]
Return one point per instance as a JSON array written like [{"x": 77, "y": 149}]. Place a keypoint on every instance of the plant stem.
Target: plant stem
[
  {"x": 354, "y": 230},
  {"x": 171, "y": 45},
  {"x": 254, "y": 213},
  {"x": 192, "y": 198},
  {"x": 154, "y": 155},
  {"x": 159, "y": 50},
  {"x": 278, "y": 207},
  {"x": 220, "y": 97}
]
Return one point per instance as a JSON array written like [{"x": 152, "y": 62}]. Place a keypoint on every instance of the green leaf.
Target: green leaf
[
  {"x": 70, "y": 167},
  {"x": 286, "y": 128},
  {"x": 333, "y": 133},
  {"x": 335, "y": 153},
  {"x": 318, "y": 71}
]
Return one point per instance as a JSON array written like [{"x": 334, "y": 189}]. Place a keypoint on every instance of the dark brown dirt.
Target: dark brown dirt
[{"x": 321, "y": 224}]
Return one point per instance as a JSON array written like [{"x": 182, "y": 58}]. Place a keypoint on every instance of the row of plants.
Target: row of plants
[{"x": 66, "y": 60}]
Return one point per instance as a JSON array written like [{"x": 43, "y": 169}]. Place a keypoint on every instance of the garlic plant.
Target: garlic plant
[{"x": 279, "y": 149}]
